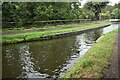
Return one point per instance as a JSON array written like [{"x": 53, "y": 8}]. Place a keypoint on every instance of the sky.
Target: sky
[{"x": 112, "y": 2}]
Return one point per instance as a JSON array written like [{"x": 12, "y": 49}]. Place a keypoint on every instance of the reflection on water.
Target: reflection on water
[
  {"x": 28, "y": 69},
  {"x": 47, "y": 58},
  {"x": 110, "y": 28}
]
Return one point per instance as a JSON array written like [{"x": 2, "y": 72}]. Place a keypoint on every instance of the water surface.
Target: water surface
[{"x": 50, "y": 58}]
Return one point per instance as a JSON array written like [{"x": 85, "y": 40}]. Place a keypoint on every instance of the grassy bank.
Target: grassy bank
[
  {"x": 95, "y": 60},
  {"x": 47, "y": 27},
  {"x": 36, "y": 35}
]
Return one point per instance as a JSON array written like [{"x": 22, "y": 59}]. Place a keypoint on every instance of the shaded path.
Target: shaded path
[{"x": 113, "y": 70}]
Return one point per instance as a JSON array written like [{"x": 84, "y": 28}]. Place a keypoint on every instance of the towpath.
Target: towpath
[{"x": 113, "y": 71}]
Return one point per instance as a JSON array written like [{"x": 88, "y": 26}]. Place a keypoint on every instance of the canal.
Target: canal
[{"x": 52, "y": 58}]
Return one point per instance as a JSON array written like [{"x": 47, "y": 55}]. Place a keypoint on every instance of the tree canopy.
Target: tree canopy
[
  {"x": 96, "y": 7},
  {"x": 29, "y": 12},
  {"x": 20, "y": 14}
]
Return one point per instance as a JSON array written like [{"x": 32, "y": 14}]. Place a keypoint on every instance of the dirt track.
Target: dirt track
[{"x": 113, "y": 70}]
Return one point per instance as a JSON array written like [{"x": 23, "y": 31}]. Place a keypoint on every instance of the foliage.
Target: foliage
[
  {"x": 106, "y": 15},
  {"x": 26, "y": 13},
  {"x": 96, "y": 7},
  {"x": 111, "y": 12},
  {"x": 115, "y": 13},
  {"x": 87, "y": 14}
]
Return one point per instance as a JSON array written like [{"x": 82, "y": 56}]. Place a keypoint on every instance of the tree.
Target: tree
[
  {"x": 27, "y": 13},
  {"x": 87, "y": 14},
  {"x": 115, "y": 13},
  {"x": 96, "y": 7}
]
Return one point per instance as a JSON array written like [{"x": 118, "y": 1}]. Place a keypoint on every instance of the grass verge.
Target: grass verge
[
  {"x": 47, "y": 27},
  {"x": 95, "y": 60},
  {"x": 36, "y": 35}
]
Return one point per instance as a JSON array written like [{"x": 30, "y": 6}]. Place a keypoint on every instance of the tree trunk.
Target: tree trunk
[{"x": 97, "y": 16}]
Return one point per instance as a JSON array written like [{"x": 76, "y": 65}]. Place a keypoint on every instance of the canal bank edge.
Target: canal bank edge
[
  {"x": 95, "y": 60},
  {"x": 54, "y": 36}
]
